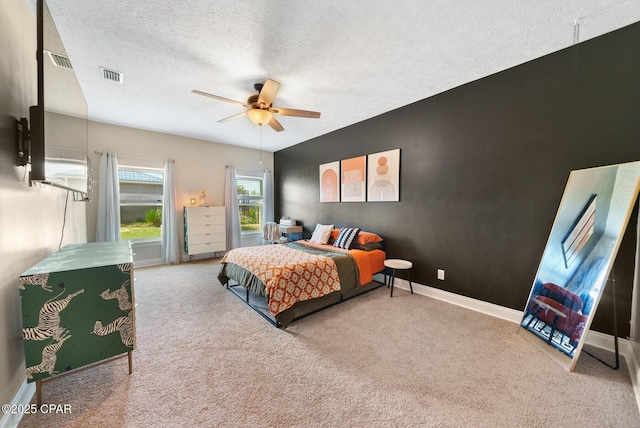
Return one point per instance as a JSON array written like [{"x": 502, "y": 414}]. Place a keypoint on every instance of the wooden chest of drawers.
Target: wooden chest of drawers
[{"x": 204, "y": 230}]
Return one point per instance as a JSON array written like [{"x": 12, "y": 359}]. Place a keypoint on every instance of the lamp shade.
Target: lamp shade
[{"x": 259, "y": 116}]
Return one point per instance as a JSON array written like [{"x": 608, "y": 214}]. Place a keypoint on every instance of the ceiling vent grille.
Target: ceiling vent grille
[
  {"x": 60, "y": 60},
  {"x": 114, "y": 76}
]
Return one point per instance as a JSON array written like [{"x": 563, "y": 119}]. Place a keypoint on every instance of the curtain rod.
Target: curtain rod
[
  {"x": 66, "y": 148},
  {"x": 136, "y": 157},
  {"x": 250, "y": 169}
]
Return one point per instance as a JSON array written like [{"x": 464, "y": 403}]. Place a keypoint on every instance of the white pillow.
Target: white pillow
[{"x": 321, "y": 234}]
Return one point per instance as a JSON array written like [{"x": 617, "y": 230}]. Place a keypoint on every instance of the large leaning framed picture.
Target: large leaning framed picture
[
  {"x": 578, "y": 259},
  {"x": 353, "y": 179},
  {"x": 330, "y": 182},
  {"x": 383, "y": 176}
]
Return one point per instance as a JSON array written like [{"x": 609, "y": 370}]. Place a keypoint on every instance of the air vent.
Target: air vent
[
  {"x": 60, "y": 60},
  {"x": 114, "y": 76}
]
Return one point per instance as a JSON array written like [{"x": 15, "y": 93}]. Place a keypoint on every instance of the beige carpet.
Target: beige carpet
[{"x": 206, "y": 359}]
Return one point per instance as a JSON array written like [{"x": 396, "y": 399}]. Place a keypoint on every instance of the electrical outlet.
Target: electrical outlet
[{"x": 441, "y": 274}]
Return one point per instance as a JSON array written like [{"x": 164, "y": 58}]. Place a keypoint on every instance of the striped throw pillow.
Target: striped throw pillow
[{"x": 346, "y": 237}]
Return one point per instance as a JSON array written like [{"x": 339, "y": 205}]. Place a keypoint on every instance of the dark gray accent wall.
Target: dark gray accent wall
[{"x": 483, "y": 170}]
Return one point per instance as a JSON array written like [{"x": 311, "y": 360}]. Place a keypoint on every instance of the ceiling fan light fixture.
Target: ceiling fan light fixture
[
  {"x": 259, "y": 117},
  {"x": 260, "y": 108}
]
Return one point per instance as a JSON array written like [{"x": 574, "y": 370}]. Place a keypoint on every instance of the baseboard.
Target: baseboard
[
  {"x": 22, "y": 398},
  {"x": 594, "y": 338},
  {"x": 494, "y": 310},
  {"x": 148, "y": 262}
]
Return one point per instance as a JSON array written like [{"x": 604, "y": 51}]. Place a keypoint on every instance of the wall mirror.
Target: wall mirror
[{"x": 578, "y": 258}]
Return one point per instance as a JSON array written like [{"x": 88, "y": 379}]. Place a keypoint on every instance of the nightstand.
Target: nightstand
[{"x": 289, "y": 230}]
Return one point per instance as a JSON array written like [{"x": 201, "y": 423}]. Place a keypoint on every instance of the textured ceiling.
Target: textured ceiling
[{"x": 349, "y": 60}]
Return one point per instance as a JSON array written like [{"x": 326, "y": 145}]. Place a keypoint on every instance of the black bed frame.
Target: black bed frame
[{"x": 316, "y": 303}]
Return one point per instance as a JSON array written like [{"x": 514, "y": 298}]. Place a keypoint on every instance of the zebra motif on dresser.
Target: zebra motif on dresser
[
  {"x": 49, "y": 356},
  {"x": 39, "y": 279},
  {"x": 121, "y": 294},
  {"x": 124, "y": 267},
  {"x": 124, "y": 325},
  {"x": 49, "y": 319}
]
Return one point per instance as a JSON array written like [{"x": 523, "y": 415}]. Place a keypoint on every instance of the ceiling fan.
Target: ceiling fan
[{"x": 260, "y": 110}]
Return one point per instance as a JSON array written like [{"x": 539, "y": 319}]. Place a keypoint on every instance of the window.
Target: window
[
  {"x": 140, "y": 202},
  {"x": 250, "y": 203}
]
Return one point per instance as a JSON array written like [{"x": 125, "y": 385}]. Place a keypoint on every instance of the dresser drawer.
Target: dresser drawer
[
  {"x": 205, "y": 220},
  {"x": 206, "y": 239},
  {"x": 205, "y": 229},
  {"x": 193, "y": 212},
  {"x": 207, "y": 248}
]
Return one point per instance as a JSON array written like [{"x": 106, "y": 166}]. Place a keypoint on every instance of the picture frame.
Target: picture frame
[
  {"x": 383, "y": 176},
  {"x": 330, "y": 182},
  {"x": 353, "y": 179}
]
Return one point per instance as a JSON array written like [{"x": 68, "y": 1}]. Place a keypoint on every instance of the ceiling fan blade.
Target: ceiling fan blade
[
  {"x": 215, "y": 97},
  {"x": 230, "y": 118},
  {"x": 268, "y": 92},
  {"x": 275, "y": 125},
  {"x": 294, "y": 112}
]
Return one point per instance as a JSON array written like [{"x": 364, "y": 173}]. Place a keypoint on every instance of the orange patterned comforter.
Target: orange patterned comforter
[{"x": 289, "y": 275}]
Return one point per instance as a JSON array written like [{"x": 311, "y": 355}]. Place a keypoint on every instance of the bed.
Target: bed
[{"x": 284, "y": 282}]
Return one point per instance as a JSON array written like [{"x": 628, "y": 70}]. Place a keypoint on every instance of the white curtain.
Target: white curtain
[
  {"x": 170, "y": 248},
  {"x": 232, "y": 212},
  {"x": 108, "y": 222},
  {"x": 267, "y": 182}
]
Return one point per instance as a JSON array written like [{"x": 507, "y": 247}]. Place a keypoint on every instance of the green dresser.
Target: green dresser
[{"x": 78, "y": 308}]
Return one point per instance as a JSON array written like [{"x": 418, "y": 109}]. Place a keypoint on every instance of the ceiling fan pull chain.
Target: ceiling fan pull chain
[{"x": 260, "y": 144}]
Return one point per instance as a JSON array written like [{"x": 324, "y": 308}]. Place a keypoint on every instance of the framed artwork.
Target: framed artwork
[
  {"x": 330, "y": 182},
  {"x": 383, "y": 176},
  {"x": 580, "y": 233},
  {"x": 353, "y": 179}
]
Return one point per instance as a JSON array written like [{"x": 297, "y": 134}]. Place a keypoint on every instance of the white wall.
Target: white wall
[
  {"x": 31, "y": 218},
  {"x": 199, "y": 165}
]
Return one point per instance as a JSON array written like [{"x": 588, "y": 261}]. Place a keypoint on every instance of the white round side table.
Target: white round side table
[{"x": 394, "y": 264}]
